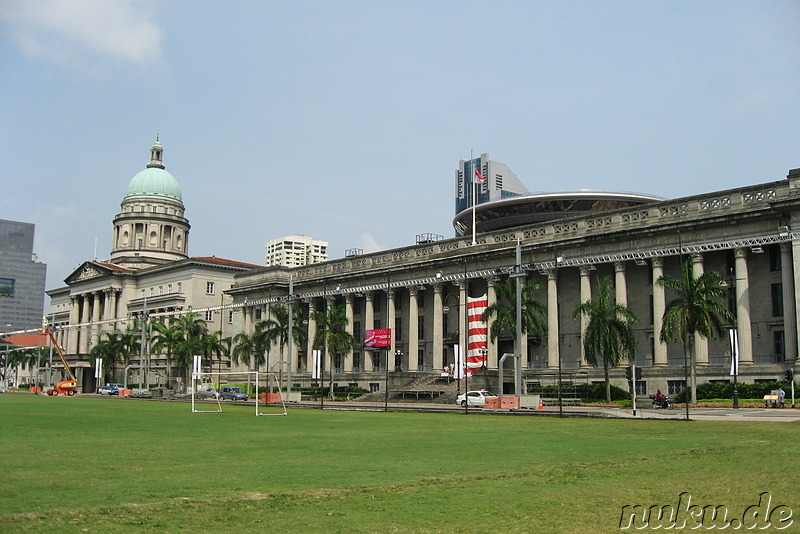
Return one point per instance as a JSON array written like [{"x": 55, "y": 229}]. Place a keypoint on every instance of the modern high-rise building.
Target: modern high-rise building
[
  {"x": 498, "y": 182},
  {"x": 22, "y": 278},
  {"x": 295, "y": 251}
]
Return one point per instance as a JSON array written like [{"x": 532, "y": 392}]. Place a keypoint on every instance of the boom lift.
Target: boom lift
[{"x": 66, "y": 387}]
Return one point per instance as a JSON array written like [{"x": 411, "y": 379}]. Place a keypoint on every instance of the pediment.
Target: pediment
[{"x": 87, "y": 271}]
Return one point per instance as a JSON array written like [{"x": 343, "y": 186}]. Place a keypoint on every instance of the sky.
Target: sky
[{"x": 345, "y": 120}]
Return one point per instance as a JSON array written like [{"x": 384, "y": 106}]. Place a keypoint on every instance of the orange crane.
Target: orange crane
[{"x": 66, "y": 387}]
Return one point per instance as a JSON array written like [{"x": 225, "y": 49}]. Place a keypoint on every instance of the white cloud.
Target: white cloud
[
  {"x": 64, "y": 31},
  {"x": 368, "y": 244}
]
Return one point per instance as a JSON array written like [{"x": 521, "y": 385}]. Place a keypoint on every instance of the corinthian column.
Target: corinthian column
[
  {"x": 743, "y": 324},
  {"x": 552, "y": 319}
]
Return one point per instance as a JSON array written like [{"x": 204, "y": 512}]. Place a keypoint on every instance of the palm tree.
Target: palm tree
[
  {"x": 609, "y": 330},
  {"x": 276, "y": 329},
  {"x": 216, "y": 345},
  {"x": 333, "y": 335},
  {"x": 111, "y": 351},
  {"x": 166, "y": 339},
  {"x": 244, "y": 348},
  {"x": 194, "y": 330},
  {"x": 698, "y": 308},
  {"x": 504, "y": 310}
]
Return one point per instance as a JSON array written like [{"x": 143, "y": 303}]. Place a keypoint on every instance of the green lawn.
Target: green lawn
[{"x": 124, "y": 465}]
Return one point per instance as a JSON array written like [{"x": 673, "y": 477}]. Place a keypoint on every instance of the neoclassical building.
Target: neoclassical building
[
  {"x": 149, "y": 272},
  {"x": 749, "y": 235}
]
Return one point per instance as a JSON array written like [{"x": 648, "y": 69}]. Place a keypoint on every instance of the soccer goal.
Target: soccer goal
[{"x": 235, "y": 386}]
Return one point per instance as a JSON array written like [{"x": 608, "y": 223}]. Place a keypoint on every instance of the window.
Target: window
[
  {"x": 775, "y": 258},
  {"x": 675, "y": 386},
  {"x": 374, "y": 386},
  {"x": 180, "y": 286},
  {"x": 7, "y": 287},
  {"x": 357, "y": 331},
  {"x": 778, "y": 346},
  {"x": 160, "y": 290},
  {"x": 398, "y": 329},
  {"x": 209, "y": 288},
  {"x": 209, "y": 315},
  {"x": 230, "y": 317},
  {"x": 356, "y": 361},
  {"x": 776, "y": 291},
  {"x": 169, "y": 288},
  {"x": 420, "y": 328},
  {"x": 641, "y": 387},
  {"x": 257, "y": 314}
]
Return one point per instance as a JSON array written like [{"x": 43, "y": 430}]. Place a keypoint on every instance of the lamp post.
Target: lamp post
[
  {"x": 559, "y": 259},
  {"x": 733, "y": 336}
]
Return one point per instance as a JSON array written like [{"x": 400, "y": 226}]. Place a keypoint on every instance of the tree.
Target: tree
[
  {"x": 276, "y": 329},
  {"x": 698, "y": 308},
  {"x": 332, "y": 334},
  {"x": 194, "y": 330},
  {"x": 244, "y": 348},
  {"x": 166, "y": 340},
  {"x": 609, "y": 330},
  {"x": 504, "y": 310},
  {"x": 215, "y": 345},
  {"x": 111, "y": 351}
]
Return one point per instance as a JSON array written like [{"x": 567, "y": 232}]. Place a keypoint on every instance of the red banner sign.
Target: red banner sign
[{"x": 378, "y": 338}]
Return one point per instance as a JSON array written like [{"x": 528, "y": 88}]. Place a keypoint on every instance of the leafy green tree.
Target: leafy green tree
[
  {"x": 194, "y": 330},
  {"x": 276, "y": 328},
  {"x": 166, "y": 339},
  {"x": 244, "y": 349},
  {"x": 504, "y": 310},
  {"x": 609, "y": 332},
  {"x": 215, "y": 345},
  {"x": 332, "y": 334},
  {"x": 697, "y": 309},
  {"x": 111, "y": 351}
]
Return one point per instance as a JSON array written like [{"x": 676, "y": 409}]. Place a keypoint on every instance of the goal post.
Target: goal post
[{"x": 217, "y": 386}]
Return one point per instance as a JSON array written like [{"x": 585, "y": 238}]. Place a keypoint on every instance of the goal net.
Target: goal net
[{"x": 210, "y": 390}]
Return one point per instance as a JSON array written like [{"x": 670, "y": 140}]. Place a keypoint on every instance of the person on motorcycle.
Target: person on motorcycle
[{"x": 659, "y": 397}]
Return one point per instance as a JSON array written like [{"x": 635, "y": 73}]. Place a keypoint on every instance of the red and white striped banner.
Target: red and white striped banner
[{"x": 476, "y": 337}]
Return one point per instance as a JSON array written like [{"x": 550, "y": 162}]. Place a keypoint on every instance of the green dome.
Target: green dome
[{"x": 154, "y": 181}]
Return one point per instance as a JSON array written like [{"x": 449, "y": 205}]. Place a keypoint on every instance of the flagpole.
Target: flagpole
[{"x": 474, "y": 200}]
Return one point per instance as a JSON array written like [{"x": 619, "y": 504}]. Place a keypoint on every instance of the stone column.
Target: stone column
[
  {"x": 659, "y": 306},
  {"x": 586, "y": 295},
  {"x": 83, "y": 334},
  {"x": 390, "y": 320},
  {"x": 463, "y": 327},
  {"x": 789, "y": 313},
  {"x": 795, "y": 267},
  {"x": 94, "y": 328},
  {"x": 413, "y": 328},
  {"x": 700, "y": 343},
  {"x": 438, "y": 331},
  {"x": 74, "y": 319},
  {"x": 620, "y": 283},
  {"x": 348, "y": 312},
  {"x": 552, "y": 319},
  {"x": 743, "y": 324},
  {"x": 369, "y": 324},
  {"x": 312, "y": 333},
  {"x": 491, "y": 346}
]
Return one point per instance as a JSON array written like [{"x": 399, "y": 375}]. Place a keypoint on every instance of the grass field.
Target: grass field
[{"x": 123, "y": 465}]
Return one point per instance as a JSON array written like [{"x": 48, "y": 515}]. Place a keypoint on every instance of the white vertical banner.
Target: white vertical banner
[
  {"x": 316, "y": 364},
  {"x": 734, "y": 337},
  {"x": 458, "y": 372},
  {"x": 98, "y": 368},
  {"x": 196, "y": 367}
]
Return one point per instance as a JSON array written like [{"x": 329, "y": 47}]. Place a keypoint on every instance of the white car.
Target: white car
[{"x": 475, "y": 398}]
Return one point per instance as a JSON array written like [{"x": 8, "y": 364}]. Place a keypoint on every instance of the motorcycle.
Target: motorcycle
[{"x": 662, "y": 402}]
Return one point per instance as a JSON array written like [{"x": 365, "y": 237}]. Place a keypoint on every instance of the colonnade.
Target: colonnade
[{"x": 430, "y": 351}]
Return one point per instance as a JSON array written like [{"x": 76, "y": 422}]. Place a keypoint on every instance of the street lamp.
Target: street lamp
[
  {"x": 733, "y": 335},
  {"x": 559, "y": 259}
]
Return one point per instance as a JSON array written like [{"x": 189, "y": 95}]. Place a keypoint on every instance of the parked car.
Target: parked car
[
  {"x": 233, "y": 393},
  {"x": 110, "y": 389},
  {"x": 475, "y": 398},
  {"x": 208, "y": 393}
]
